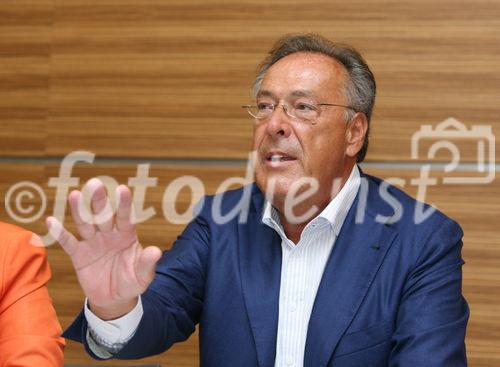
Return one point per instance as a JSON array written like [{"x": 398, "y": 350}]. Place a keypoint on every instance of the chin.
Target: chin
[{"x": 276, "y": 185}]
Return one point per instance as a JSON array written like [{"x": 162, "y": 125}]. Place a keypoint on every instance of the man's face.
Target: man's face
[{"x": 289, "y": 149}]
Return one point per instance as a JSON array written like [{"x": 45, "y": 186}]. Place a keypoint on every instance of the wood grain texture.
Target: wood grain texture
[
  {"x": 475, "y": 207},
  {"x": 25, "y": 46},
  {"x": 158, "y": 78},
  {"x": 165, "y": 79}
]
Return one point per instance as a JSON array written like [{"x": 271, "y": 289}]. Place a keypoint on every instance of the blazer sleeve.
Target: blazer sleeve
[
  {"x": 30, "y": 334},
  {"x": 172, "y": 303},
  {"x": 433, "y": 314}
]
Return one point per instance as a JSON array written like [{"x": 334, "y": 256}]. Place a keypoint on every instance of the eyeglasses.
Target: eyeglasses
[{"x": 307, "y": 112}]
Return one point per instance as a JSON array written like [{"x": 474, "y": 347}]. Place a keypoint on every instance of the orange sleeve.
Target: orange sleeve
[{"x": 30, "y": 334}]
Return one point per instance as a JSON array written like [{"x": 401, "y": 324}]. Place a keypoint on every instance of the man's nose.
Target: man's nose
[{"x": 279, "y": 122}]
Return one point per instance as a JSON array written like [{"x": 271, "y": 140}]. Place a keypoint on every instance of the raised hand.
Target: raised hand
[{"x": 112, "y": 267}]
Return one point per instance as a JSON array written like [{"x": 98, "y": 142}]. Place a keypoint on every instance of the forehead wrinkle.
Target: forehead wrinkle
[
  {"x": 309, "y": 66},
  {"x": 295, "y": 93}
]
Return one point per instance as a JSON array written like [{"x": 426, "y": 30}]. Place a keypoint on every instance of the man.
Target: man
[
  {"x": 30, "y": 334},
  {"x": 324, "y": 271}
]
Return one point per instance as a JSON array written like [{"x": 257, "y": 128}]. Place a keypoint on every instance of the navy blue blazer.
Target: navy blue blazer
[{"x": 390, "y": 293}]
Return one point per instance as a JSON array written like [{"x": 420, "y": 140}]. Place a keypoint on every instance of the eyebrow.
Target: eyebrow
[
  {"x": 303, "y": 93},
  {"x": 295, "y": 93},
  {"x": 265, "y": 93}
]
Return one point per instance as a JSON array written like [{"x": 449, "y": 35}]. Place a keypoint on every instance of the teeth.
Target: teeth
[{"x": 276, "y": 158}]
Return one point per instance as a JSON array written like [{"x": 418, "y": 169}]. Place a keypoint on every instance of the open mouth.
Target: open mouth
[{"x": 277, "y": 157}]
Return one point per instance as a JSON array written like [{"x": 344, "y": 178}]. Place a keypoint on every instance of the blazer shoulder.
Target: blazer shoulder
[
  {"x": 424, "y": 234},
  {"x": 24, "y": 273},
  {"x": 19, "y": 239},
  {"x": 11, "y": 231},
  {"x": 405, "y": 214},
  {"x": 21, "y": 255}
]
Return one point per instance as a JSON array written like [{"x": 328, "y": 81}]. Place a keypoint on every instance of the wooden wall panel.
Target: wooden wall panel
[
  {"x": 25, "y": 42},
  {"x": 166, "y": 79},
  {"x": 475, "y": 207}
]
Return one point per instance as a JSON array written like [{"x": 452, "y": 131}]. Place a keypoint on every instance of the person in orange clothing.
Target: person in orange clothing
[{"x": 30, "y": 334}]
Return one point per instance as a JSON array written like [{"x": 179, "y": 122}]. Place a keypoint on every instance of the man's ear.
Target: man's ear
[{"x": 356, "y": 131}]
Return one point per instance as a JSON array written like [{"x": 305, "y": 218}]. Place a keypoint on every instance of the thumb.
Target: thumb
[{"x": 146, "y": 265}]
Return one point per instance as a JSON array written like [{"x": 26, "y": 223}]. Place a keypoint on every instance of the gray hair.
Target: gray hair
[{"x": 361, "y": 87}]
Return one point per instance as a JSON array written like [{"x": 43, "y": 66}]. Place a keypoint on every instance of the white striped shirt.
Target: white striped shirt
[
  {"x": 301, "y": 272},
  {"x": 302, "y": 269}
]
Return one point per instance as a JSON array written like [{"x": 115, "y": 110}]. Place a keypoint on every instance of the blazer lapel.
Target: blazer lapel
[
  {"x": 260, "y": 270},
  {"x": 356, "y": 257}
]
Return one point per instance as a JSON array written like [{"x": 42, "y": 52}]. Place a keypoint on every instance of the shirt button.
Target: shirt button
[
  {"x": 293, "y": 307},
  {"x": 289, "y": 361}
]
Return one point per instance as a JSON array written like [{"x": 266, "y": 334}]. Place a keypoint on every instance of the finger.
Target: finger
[
  {"x": 124, "y": 209},
  {"x": 68, "y": 242},
  {"x": 81, "y": 216},
  {"x": 101, "y": 205},
  {"x": 146, "y": 265}
]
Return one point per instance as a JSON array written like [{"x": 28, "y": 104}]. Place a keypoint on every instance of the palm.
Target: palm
[
  {"x": 105, "y": 267},
  {"x": 111, "y": 265}
]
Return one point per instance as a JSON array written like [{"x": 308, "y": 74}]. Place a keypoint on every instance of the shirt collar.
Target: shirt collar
[{"x": 335, "y": 212}]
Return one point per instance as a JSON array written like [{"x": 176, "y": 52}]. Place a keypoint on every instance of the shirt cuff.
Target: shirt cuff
[{"x": 118, "y": 331}]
